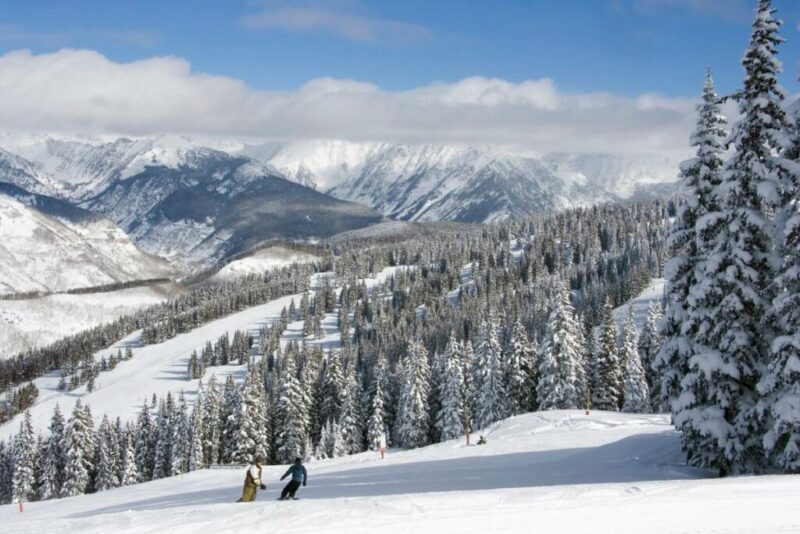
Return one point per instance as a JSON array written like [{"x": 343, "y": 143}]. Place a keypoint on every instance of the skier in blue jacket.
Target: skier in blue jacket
[{"x": 299, "y": 475}]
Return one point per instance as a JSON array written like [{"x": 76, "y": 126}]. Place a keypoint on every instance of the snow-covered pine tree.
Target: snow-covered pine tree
[
  {"x": 637, "y": 395},
  {"x": 689, "y": 243},
  {"x": 331, "y": 394},
  {"x": 291, "y": 421},
  {"x": 376, "y": 426},
  {"x": 309, "y": 385},
  {"x": 533, "y": 372},
  {"x": 560, "y": 358},
  {"x": 52, "y": 476},
  {"x": 467, "y": 363},
  {"x": 338, "y": 442},
  {"x": 6, "y": 472},
  {"x": 519, "y": 373},
  {"x": 144, "y": 443},
  {"x": 344, "y": 325},
  {"x": 230, "y": 412},
  {"x": 180, "y": 440},
  {"x": 487, "y": 372},
  {"x": 25, "y": 458},
  {"x": 729, "y": 306},
  {"x": 107, "y": 476},
  {"x": 451, "y": 416},
  {"x": 780, "y": 385},
  {"x": 582, "y": 378},
  {"x": 325, "y": 444},
  {"x": 252, "y": 438},
  {"x": 413, "y": 422},
  {"x": 438, "y": 365},
  {"x": 196, "y": 450},
  {"x": 89, "y": 450},
  {"x": 649, "y": 345},
  {"x": 162, "y": 462},
  {"x": 212, "y": 422},
  {"x": 41, "y": 448},
  {"x": 351, "y": 422},
  {"x": 129, "y": 473},
  {"x": 607, "y": 382},
  {"x": 77, "y": 436},
  {"x": 378, "y": 422}
]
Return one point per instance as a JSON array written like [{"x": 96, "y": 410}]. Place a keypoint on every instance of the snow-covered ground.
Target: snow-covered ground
[
  {"x": 161, "y": 368},
  {"x": 551, "y": 472},
  {"x": 268, "y": 258},
  {"x": 653, "y": 293},
  {"x": 36, "y": 322}
]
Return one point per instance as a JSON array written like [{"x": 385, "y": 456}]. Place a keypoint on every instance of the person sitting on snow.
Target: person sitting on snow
[
  {"x": 482, "y": 441},
  {"x": 252, "y": 481},
  {"x": 299, "y": 475}
]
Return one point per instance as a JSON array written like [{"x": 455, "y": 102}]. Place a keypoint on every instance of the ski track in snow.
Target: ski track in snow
[{"x": 551, "y": 472}]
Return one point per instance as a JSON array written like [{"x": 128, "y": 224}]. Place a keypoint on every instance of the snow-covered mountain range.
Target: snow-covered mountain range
[
  {"x": 198, "y": 202},
  {"x": 461, "y": 183},
  {"x": 185, "y": 202},
  {"x": 50, "y": 245}
]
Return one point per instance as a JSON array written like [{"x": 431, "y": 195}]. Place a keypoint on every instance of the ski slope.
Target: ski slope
[
  {"x": 640, "y": 304},
  {"x": 37, "y": 322},
  {"x": 161, "y": 368},
  {"x": 549, "y": 472}
]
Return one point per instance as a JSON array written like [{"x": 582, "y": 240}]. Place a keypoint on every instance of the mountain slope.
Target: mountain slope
[
  {"x": 213, "y": 205},
  {"x": 47, "y": 244},
  {"x": 555, "y": 472},
  {"x": 25, "y": 174},
  {"x": 405, "y": 182},
  {"x": 624, "y": 176}
]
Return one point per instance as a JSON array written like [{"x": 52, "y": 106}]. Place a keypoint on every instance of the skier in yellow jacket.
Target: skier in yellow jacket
[{"x": 252, "y": 481}]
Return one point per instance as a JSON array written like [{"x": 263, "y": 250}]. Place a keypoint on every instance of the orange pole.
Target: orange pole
[{"x": 20, "y": 507}]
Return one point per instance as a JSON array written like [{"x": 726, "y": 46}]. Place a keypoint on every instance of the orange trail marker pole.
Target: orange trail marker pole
[{"x": 20, "y": 507}]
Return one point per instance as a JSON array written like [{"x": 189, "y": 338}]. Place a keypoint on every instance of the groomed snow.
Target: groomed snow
[
  {"x": 550, "y": 472},
  {"x": 37, "y": 322}
]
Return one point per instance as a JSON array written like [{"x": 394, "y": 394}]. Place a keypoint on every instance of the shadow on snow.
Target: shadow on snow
[{"x": 641, "y": 458}]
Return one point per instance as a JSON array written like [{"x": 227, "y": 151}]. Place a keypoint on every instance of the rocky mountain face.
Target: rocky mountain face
[
  {"x": 217, "y": 205},
  {"x": 47, "y": 244},
  {"x": 468, "y": 184}
]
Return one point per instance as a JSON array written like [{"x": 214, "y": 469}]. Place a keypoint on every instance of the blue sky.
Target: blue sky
[
  {"x": 535, "y": 76},
  {"x": 622, "y": 46}
]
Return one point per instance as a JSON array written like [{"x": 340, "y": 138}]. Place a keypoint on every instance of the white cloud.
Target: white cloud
[
  {"x": 335, "y": 18},
  {"x": 81, "y": 91}
]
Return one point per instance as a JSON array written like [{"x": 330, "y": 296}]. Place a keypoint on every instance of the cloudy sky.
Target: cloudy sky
[{"x": 541, "y": 75}]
